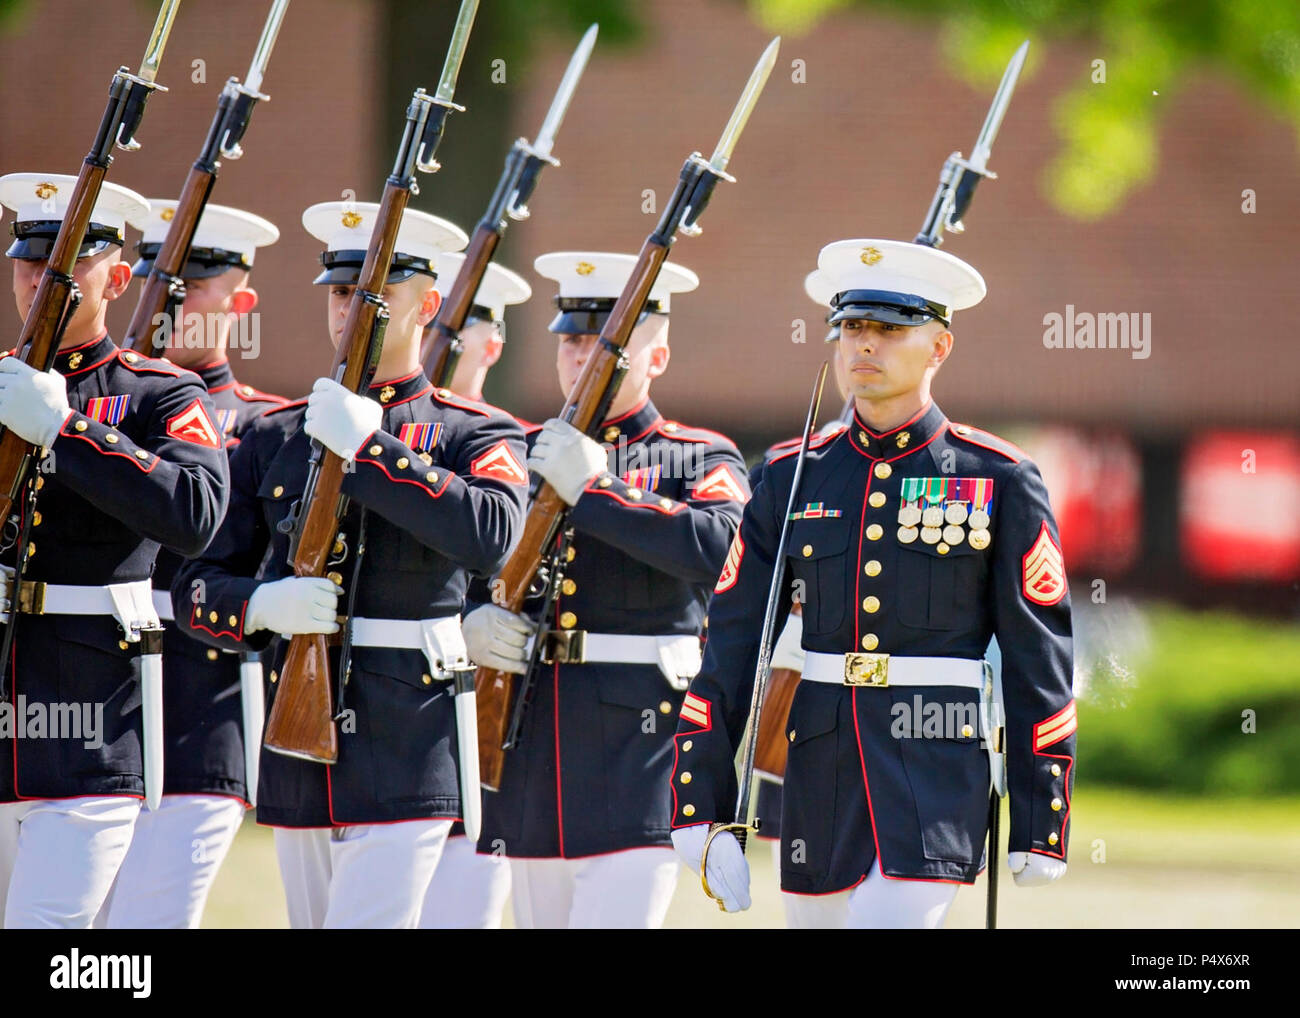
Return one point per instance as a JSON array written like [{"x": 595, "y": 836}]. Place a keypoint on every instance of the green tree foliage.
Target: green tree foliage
[{"x": 1151, "y": 49}]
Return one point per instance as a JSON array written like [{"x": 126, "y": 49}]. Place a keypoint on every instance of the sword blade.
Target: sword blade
[
  {"x": 744, "y": 107},
  {"x": 763, "y": 670},
  {"x": 456, "y": 51},
  {"x": 158, "y": 40},
  {"x": 564, "y": 94},
  {"x": 1001, "y": 100},
  {"x": 262, "y": 55}
]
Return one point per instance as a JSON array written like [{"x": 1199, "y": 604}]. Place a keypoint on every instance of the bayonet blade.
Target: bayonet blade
[
  {"x": 262, "y": 55},
  {"x": 158, "y": 41},
  {"x": 564, "y": 94},
  {"x": 456, "y": 51},
  {"x": 979, "y": 157},
  {"x": 748, "y": 100}
]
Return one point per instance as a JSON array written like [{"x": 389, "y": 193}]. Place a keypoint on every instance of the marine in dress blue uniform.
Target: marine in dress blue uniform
[
  {"x": 135, "y": 462},
  {"x": 437, "y": 487},
  {"x": 582, "y": 812},
  {"x": 928, "y": 538},
  {"x": 164, "y": 881},
  {"x": 469, "y": 890}
]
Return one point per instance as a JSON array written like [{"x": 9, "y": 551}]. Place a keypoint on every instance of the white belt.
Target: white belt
[
  {"x": 130, "y": 603},
  {"x": 677, "y": 657},
  {"x": 162, "y": 604},
  {"x": 440, "y": 640},
  {"x": 886, "y": 670}
]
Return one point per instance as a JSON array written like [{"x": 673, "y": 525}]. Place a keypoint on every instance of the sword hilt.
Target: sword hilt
[{"x": 740, "y": 832}]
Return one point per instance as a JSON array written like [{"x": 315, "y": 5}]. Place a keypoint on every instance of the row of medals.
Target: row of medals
[{"x": 932, "y": 522}]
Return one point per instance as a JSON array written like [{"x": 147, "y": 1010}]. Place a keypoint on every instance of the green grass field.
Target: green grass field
[{"x": 1137, "y": 860}]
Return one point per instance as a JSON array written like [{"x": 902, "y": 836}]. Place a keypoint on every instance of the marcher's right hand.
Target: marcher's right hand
[
  {"x": 296, "y": 604},
  {"x": 497, "y": 638},
  {"x": 728, "y": 869}
]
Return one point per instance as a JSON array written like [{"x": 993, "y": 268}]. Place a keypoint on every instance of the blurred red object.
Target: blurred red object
[
  {"x": 1240, "y": 506},
  {"x": 1095, "y": 482}
]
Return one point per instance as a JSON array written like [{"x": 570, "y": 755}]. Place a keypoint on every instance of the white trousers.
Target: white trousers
[
  {"x": 878, "y": 903},
  {"x": 621, "y": 890},
  {"x": 58, "y": 858},
  {"x": 367, "y": 876},
  {"x": 468, "y": 891},
  {"x": 174, "y": 856}
]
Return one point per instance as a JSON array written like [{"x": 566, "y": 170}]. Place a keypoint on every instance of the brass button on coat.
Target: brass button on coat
[
  {"x": 883, "y": 470},
  {"x": 568, "y": 587},
  {"x": 568, "y": 620},
  {"x": 665, "y": 707},
  {"x": 870, "y": 642},
  {"x": 213, "y": 654},
  {"x": 877, "y": 499},
  {"x": 871, "y": 605},
  {"x": 807, "y": 550},
  {"x": 872, "y": 568},
  {"x": 375, "y": 450},
  {"x": 875, "y": 532}
]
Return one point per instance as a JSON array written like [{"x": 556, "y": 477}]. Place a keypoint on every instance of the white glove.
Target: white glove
[
  {"x": 340, "y": 420},
  {"x": 495, "y": 638},
  {"x": 566, "y": 459},
  {"x": 728, "y": 869},
  {"x": 296, "y": 604},
  {"x": 1033, "y": 869},
  {"x": 33, "y": 404},
  {"x": 7, "y": 575}
]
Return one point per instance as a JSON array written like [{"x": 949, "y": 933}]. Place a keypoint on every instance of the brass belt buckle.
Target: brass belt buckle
[
  {"x": 866, "y": 670},
  {"x": 31, "y": 597},
  {"x": 564, "y": 646}
]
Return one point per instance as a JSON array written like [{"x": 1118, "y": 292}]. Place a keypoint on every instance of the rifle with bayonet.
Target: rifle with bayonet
[
  {"x": 500, "y": 705},
  {"x": 57, "y": 296},
  {"x": 959, "y": 176},
  {"x": 164, "y": 290},
  {"x": 301, "y": 720},
  {"x": 442, "y": 346}
]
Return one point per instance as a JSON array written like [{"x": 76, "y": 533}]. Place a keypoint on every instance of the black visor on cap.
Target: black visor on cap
[
  {"x": 586, "y": 316},
  {"x": 203, "y": 261},
  {"x": 345, "y": 267},
  {"x": 887, "y": 306},
  {"x": 34, "y": 238}
]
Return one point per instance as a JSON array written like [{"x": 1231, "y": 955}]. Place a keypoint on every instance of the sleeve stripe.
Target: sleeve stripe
[{"x": 1059, "y": 726}]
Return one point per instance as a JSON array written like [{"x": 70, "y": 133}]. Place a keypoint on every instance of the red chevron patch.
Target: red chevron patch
[
  {"x": 500, "y": 464},
  {"x": 193, "y": 425},
  {"x": 719, "y": 485},
  {"x": 1044, "y": 570},
  {"x": 731, "y": 568}
]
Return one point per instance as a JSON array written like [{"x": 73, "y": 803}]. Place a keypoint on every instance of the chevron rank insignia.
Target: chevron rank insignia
[
  {"x": 500, "y": 464},
  {"x": 816, "y": 511},
  {"x": 731, "y": 567},
  {"x": 193, "y": 425},
  {"x": 1044, "y": 570},
  {"x": 420, "y": 437},
  {"x": 696, "y": 710},
  {"x": 108, "y": 409},
  {"x": 719, "y": 485}
]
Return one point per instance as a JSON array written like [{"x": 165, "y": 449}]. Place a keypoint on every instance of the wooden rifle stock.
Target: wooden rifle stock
[
  {"x": 584, "y": 409},
  {"x": 441, "y": 349},
  {"x": 301, "y": 719},
  {"x": 159, "y": 289},
  {"x": 773, "y": 745}
]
